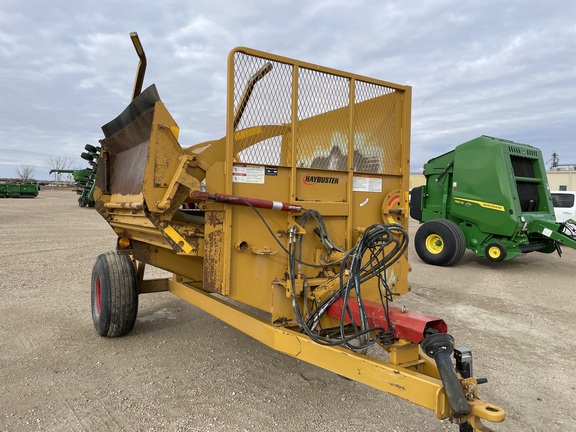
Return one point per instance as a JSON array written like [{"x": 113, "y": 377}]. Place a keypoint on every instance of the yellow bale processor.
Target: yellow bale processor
[{"x": 291, "y": 228}]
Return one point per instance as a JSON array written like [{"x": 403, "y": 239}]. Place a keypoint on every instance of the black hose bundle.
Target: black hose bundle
[
  {"x": 377, "y": 249},
  {"x": 569, "y": 228}
]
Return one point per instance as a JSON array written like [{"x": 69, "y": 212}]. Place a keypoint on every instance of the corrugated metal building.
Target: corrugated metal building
[{"x": 562, "y": 180}]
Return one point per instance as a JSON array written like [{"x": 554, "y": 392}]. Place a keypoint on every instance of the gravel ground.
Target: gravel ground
[{"x": 182, "y": 370}]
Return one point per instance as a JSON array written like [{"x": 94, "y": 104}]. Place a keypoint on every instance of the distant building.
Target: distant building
[
  {"x": 417, "y": 179},
  {"x": 562, "y": 179}
]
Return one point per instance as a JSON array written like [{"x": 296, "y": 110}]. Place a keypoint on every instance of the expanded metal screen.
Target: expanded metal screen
[
  {"x": 337, "y": 121},
  {"x": 327, "y": 146},
  {"x": 376, "y": 137},
  {"x": 269, "y": 103}
]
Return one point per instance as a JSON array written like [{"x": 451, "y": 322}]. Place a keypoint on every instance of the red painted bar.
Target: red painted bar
[
  {"x": 407, "y": 325},
  {"x": 240, "y": 200}
]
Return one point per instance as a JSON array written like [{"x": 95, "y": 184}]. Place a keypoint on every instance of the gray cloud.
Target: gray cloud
[{"x": 486, "y": 67}]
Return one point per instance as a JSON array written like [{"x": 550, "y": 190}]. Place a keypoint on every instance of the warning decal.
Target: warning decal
[
  {"x": 367, "y": 184},
  {"x": 242, "y": 173}
]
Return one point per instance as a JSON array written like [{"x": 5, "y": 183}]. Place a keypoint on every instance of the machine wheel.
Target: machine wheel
[
  {"x": 90, "y": 148},
  {"x": 87, "y": 156},
  {"x": 495, "y": 252},
  {"x": 81, "y": 201},
  {"x": 440, "y": 242},
  {"x": 114, "y": 295}
]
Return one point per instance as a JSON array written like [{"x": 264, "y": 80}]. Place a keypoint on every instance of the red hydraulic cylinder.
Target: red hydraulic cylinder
[{"x": 245, "y": 201}]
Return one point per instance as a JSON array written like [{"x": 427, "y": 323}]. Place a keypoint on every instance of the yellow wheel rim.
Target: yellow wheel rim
[
  {"x": 494, "y": 252},
  {"x": 434, "y": 244}
]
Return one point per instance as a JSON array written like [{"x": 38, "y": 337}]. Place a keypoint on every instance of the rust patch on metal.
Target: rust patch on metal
[
  {"x": 282, "y": 321},
  {"x": 213, "y": 262},
  {"x": 214, "y": 218},
  {"x": 213, "y": 237}
]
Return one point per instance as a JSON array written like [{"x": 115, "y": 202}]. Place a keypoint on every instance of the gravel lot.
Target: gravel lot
[{"x": 182, "y": 370}]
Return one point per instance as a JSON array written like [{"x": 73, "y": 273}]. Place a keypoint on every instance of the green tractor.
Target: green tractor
[
  {"x": 84, "y": 178},
  {"x": 488, "y": 195},
  {"x": 86, "y": 193},
  {"x": 78, "y": 175}
]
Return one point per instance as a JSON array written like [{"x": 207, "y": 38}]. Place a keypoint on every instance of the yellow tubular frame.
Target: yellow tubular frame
[{"x": 391, "y": 378}]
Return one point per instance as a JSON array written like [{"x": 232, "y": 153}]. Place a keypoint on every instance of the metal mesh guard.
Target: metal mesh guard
[{"x": 328, "y": 131}]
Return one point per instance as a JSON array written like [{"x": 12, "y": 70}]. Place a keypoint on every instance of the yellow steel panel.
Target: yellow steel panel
[{"x": 178, "y": 239}]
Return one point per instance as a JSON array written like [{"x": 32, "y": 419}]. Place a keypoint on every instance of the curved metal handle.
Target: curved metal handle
[
  {"x": 248, "y": 91},
  {"x": 139, "y": 80}
]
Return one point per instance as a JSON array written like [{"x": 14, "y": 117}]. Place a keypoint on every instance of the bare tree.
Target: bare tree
[
  {"x": 59, "y": 163},
  {"x": 26, "y": 172}
]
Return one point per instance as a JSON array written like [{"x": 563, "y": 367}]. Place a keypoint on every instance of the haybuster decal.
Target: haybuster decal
[{"x": 310, "y": 179}]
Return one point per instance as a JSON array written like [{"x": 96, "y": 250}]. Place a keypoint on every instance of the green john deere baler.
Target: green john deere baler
[{"x": 488, "y": 195}]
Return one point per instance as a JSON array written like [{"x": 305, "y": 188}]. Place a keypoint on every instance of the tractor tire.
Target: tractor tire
[
  {"x": 114, "y": 295},
  {"x": 495, "y": 252},
  {"x": 81, "y": 201},
  {"x": 90, "y": 148},
  {"x": 440, "y": 242},
  {"x": 87, "y": 156}
]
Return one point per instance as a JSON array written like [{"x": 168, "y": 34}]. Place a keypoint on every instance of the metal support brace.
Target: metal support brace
[{"x": 181, "y": 177}]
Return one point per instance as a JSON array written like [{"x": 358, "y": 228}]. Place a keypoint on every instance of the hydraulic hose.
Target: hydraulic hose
[{"x": 440, "y": 346}]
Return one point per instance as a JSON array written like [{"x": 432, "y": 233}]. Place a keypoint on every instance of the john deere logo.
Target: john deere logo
[
  {"x": 309, "y": 180},
  {"x": 468, "y": 202}
]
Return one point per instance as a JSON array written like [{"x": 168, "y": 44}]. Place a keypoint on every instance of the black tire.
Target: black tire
[
  {"x": 495, "y": 252},
  {"x": 90, "y": 148},
  {"x": 81, "y": 201},
  {"x": 114, "y": 295},
  {"x": 416, "y": 203},
  {"x": 440, "y": 242},
  {"x": 87, "y": 156}
]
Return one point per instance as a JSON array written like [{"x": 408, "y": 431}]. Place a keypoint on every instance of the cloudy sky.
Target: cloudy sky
[{"x": 499, "y": 68}]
